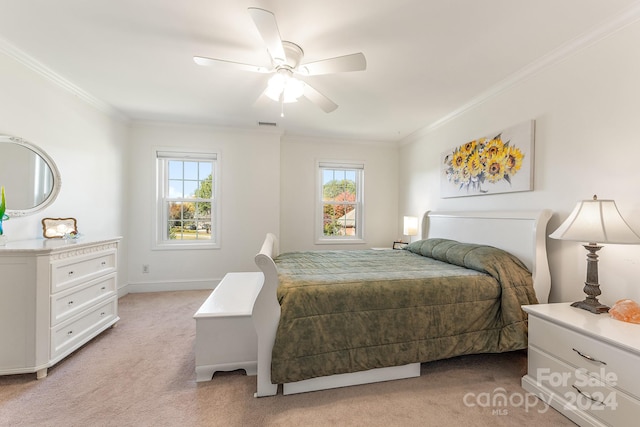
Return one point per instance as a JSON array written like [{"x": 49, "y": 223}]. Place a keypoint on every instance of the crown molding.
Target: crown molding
[
  {"x": 627, "y": 17},
  {"x": 39, "y": 68}
]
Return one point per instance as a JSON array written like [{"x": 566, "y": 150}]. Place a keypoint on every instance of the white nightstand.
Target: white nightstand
[{"x": 584, "y": 365}]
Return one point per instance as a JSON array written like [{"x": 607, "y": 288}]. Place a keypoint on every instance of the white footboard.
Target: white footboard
[{"x": 266, "y": 314}]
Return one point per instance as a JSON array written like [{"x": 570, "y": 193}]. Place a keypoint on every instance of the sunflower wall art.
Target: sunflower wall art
[{"x": 499, "y": 163}]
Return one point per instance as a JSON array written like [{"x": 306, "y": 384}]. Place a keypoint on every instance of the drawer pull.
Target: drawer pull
[
  {"x": 592, "y": 359},
  {"x": 599, "y": 402},
  {"x": 103, "y": 263},
  {"x": 103, "y": 288},
  {"x": 70, "y": 273},
  {"x": 70, "y": 303},
  {"x": 70, "y": 333}
]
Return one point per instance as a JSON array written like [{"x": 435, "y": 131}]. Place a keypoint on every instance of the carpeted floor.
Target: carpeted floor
[{"x": 142, "y": 373}]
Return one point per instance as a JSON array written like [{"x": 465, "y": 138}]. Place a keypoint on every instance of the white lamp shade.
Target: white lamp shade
[
  {"x": 596, "y": 221},
  {"x": 410, "y": 226},
  {"x": 281, "y": 84}
]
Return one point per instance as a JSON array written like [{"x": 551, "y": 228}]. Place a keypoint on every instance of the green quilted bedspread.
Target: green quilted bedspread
[{"x": 347, "y": 311}]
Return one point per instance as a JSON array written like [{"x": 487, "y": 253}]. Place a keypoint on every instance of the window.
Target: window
[
  {"x": 187, "y": 213},
  {"x": 340, "y": 202}
]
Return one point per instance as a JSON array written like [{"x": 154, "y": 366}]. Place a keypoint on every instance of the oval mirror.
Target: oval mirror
[{"x": 29, "y": 176}]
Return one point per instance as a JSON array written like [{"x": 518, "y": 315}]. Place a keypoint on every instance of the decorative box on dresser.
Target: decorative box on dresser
[
  {"x": 585, "y": 365},
  {"x": 55, "y": 295}
]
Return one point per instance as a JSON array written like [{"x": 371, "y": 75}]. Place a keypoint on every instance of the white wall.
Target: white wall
[
  {"x": 298, "y": 188},
  {"x": 249, "y": 194},
  {"x": 88, "y": 146},
  {"x": 586, "y": 109}
]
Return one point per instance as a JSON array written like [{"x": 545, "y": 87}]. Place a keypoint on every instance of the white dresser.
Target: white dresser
[
  {"x": 585, "y": 365},
  {"x": 55, "y": 295}
]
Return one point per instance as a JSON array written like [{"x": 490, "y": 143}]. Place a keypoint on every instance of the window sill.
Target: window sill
[
  {"x": 184, "y": 246},
  {"x": 340, "y": 242}
]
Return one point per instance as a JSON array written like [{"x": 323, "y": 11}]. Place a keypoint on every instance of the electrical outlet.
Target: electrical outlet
[{"x": 145, "y": 268}]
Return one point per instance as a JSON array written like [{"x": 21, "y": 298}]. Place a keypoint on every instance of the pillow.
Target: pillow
[
  {"x": 428, "y": 246},
  {"x": 482, "y": 258}
]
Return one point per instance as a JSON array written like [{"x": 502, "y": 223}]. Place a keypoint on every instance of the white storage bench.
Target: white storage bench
[{"x": 225, "y": 336}]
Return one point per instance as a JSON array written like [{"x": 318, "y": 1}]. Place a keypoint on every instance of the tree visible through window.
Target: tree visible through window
[
  {"x": 188, "y": 198},
  {"x": 341, "y": 201}
]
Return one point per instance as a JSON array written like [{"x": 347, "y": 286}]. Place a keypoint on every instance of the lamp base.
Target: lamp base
[
  {"x": 592, "y": 305},
  {"x": 591, "y": 286}
]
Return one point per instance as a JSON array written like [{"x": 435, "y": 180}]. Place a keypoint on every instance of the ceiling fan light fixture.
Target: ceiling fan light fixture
[
  {"x": 282, "y": 85},
  {"x": 293, "y": 89},
  {"x": 286, "y": 61}
]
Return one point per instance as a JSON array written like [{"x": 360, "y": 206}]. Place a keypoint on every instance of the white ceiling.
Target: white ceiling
[{"x": 426, "y": 59}]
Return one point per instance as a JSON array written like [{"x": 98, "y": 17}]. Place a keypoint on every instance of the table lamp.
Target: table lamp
[
  {"x": 595, "y": 221},
  {"x": 410, "y": 226}
]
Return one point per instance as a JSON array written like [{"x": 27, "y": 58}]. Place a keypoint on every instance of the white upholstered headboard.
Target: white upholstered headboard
[{"x": 522, "y": 233}]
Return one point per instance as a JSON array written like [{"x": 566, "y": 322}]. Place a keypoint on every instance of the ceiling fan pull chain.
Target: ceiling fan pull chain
[{"x": 282, "y": 105}]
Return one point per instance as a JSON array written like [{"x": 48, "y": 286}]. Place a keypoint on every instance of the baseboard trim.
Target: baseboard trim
[{"x": 164, "y": 286}]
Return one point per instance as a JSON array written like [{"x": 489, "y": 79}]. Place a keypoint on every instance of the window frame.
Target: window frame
[
  {"x": 359, "y": 168},
  {"x": 160, "y": 237}
]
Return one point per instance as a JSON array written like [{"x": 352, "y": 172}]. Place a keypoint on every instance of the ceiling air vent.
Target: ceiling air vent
[{"x": 268, "y": 124}]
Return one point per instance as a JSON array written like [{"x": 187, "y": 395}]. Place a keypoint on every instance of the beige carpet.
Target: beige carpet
[{"x": 141, "y": 373}]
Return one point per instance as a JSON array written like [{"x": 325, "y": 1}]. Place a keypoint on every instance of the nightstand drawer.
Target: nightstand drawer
[
  {"x": 613, "y": 365},
  {"x": 578, "y": 392}
]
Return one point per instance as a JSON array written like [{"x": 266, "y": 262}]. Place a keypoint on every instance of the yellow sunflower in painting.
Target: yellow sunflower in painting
[
  {"x": 514, "y": 159},
  {"x": 495, "y": 167},
  {"x": 470, "y": 146},
  {"x": 494, "y": 147},
  {"x": 459, "y": 160},
  {"x": 474, "y": 165}
]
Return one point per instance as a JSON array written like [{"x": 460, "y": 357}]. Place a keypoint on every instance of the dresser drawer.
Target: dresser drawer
[
  {"x": 71, "y": 334},
  {"x": 578, "y": 392},
  {"x": 614, "y": 365},
  {"x": 72, "y": 301},
  {"x": 70, "y": 272}
]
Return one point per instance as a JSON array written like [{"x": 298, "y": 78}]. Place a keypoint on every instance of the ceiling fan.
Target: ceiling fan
[{"x": 286, "y": 58}]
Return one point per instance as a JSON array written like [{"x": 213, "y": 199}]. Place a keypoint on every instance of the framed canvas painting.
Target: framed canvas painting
[{"x": 501, "y": 162}]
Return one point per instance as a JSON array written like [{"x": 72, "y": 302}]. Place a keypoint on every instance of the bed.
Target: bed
[{"x": 327, "y": 319}]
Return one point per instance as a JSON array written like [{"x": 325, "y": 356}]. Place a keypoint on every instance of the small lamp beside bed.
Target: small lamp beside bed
[
  {"x": 595, "y": 221},
  {"x": 410, "y": 226}
]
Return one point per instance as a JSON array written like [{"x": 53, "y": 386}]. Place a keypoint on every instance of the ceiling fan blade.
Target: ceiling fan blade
[
  {"x": 319, "y": 99},
  {"x": 268, "y": 28},
  {"x": 340, "y": 64},
  {"x": 210, "y": 62}
]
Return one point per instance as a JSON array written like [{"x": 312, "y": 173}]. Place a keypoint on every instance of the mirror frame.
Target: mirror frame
[{"x": 57, "y": 180}]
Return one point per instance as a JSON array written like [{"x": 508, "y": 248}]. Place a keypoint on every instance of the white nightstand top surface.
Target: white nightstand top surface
[{"x": 601, "y": 326}]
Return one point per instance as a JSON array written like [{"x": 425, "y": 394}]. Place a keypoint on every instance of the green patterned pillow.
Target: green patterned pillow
[{"x": 432, "y": 248}]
